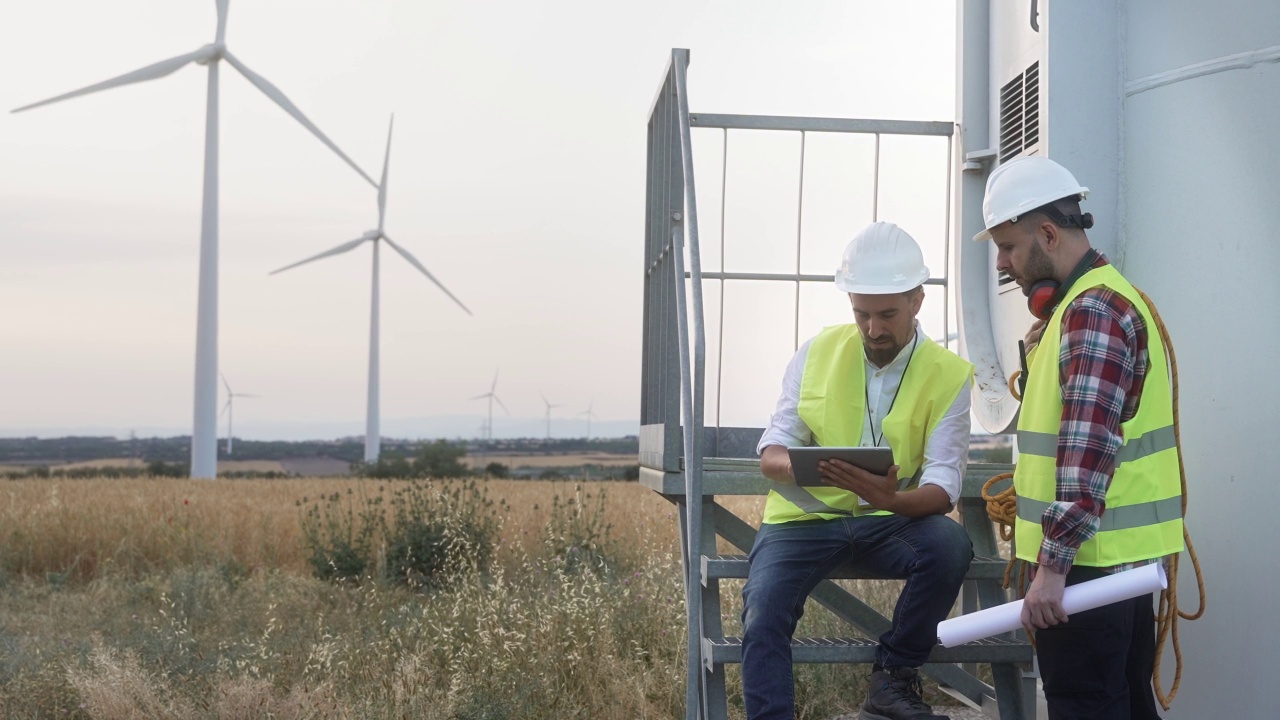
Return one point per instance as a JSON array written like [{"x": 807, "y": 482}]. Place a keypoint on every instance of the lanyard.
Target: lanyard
[{"x": 867, "y": 395}]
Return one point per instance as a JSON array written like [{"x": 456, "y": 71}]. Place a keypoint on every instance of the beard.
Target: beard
[
  {"x": 1039, "y": 267},
  {"x": 884, "y": 354}
]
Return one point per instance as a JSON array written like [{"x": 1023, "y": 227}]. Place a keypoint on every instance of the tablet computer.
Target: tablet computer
[{"x": 804, "y": 461}]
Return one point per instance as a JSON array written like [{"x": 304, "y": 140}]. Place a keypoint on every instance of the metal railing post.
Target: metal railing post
[{"x": 693, "y": 383}]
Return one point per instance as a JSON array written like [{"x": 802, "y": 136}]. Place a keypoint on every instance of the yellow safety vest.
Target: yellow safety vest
[
  {"x": 1143, "y": 515},
  {"x": 833, "y": 403}
]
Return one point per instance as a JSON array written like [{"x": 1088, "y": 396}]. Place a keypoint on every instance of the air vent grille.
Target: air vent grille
[{"x": 1020, "y": 113}]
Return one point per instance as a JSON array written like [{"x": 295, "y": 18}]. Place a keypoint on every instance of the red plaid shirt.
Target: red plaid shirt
[{"x": 1102, "y": 364}]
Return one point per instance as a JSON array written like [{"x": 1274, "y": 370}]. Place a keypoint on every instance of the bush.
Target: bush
[
  {"x": 387, "y": 467},
  {"x": 578, "y": 535},
  {"x": 440, "y": 459},
  {"x": 439, "y": 532},
  {"x": 159, "y": 468},
  {"x": 339, "y": 540},
  {"x": 430, "y": 533}
]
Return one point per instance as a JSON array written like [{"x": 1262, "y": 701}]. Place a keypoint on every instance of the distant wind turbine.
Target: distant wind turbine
[
  {"x": 372, "y": 435},
  {"x": 493, "y": 396},
  {"x": 204, "y": 434},
  {"x": 549, "y": 406},
  {"x": 229, "y": 409},
  {"x": 589, "y": 415}
]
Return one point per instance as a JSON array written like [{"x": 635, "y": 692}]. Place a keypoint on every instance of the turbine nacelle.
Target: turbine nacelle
[{"x": 210, "y": 53}]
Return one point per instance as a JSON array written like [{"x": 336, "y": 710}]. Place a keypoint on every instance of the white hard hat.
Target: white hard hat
[
  {"x": 1024, "y": 184},
  {"x": 880, "y": 260}
]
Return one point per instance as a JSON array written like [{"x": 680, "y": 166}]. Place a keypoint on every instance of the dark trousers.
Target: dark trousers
[
  {"x": 789, "y": 559},
  {"x": 1098, "y": 664}
]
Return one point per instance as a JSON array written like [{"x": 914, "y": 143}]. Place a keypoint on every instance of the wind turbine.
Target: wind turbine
[
  {"x": 492, "y": 395},
  {"x": 589, "y": 415},
  {"x": 229, "y": 409},
  {"x": 549, "y": 406},
  {"x": 372, "y": 436},
  {"x": 204, "y": 433}
]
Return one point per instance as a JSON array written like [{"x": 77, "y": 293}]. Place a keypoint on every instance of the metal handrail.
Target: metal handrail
[
  {"x": 680, "y": 215},
  {"x": 694, "y": 379}
]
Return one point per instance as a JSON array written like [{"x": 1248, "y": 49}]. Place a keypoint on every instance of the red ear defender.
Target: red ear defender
[
  {"x": 1045, "y": 294},
  {"x": 1042, "y": 298}
]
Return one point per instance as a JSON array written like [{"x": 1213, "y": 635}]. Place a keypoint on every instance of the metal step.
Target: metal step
[
  {"x": 721, "y": 567},
  {"x": 863, "y": 650}
]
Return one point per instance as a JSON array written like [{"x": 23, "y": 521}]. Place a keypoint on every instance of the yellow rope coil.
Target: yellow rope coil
[
  {"x": 1013, "y": 385},
  {"x": 1002, "y": 509}
]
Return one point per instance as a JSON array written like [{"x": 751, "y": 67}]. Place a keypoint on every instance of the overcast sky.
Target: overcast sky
[{"x": 517, "y": 177}]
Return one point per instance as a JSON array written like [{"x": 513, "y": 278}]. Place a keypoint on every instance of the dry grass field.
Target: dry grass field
[
  {"x": 479, "y": 460},
  {"x": 165, "y": 598},
  {"x": 105, "y": 462},
  {"x": 83, "y": 528}
]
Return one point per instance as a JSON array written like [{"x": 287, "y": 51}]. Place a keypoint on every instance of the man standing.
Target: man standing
[
  {"x": 877, "y": 383},
  {"x": 1098, "y": 475}
]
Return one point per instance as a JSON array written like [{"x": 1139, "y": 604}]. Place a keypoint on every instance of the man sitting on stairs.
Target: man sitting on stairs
[{"x": 877, "y": 382}]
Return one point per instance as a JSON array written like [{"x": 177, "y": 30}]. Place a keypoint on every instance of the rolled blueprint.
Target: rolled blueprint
[{"x": 1076, "y": 598}]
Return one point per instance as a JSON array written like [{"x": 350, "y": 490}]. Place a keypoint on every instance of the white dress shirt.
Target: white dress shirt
[{"x": 946, "y": 453}]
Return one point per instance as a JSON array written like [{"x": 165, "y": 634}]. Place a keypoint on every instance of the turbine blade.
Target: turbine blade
[
  {"x": 480, "y": 397},
  {"x": 222, "y": 19},
  {"x": 279, "y": 98},
  {"x": 504, "y": 407},
  {"x": 225, "y": 384},
  {"x": 386, "y": 163},
  {"x": 225, "y": 405},
  {"x": 544, "y": 399},
  {"x": 247, "y": 395},
  {"x": 344, "y": 247},
  {"x": 150, "y": 72},
  {"x": 414, "y": 262}
]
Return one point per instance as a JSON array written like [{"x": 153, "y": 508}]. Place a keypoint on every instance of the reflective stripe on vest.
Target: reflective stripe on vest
[
  {"x": 833, "y": 403},
  {"x": 1150, "y": 443},
  {"x": 1142, "y": 518},
  {"x": 1121, "y": 518}
]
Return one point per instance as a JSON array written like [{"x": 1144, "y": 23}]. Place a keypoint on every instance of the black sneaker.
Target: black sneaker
[{"x": 895, "y": 694}]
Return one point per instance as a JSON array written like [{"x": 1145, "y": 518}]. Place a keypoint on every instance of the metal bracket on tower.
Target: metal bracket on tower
[{"x": 978, "y": 160}]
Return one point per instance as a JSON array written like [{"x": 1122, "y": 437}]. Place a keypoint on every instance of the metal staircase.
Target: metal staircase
[{"x": 691, "y": 464}]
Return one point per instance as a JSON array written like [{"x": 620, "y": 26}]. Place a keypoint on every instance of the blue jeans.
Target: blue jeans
[{"x": 789, "y": 559}]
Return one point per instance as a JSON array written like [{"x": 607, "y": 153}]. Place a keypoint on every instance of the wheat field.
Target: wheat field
[
  {"x": 167, "y": 598},
  {"x": 85, "y": 528}
]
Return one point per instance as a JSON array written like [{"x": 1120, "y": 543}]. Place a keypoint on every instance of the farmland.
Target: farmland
[{"x": 181, "y": 599}]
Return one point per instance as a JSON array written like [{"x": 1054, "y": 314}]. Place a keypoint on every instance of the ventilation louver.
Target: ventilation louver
[{"x": 1020, "y": 113}]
